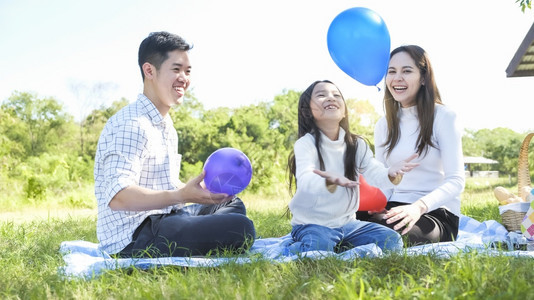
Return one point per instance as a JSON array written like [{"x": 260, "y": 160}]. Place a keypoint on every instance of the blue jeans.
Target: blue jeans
[
  {"x": 193, "y": 230},
  {"x": 355, "y": 233}
]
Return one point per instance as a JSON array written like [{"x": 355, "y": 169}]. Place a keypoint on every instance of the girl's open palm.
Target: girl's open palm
[{"x": 332, "y": 178}]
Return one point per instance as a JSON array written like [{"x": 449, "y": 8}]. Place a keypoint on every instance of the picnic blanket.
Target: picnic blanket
[{"x": 83, "y": 259}]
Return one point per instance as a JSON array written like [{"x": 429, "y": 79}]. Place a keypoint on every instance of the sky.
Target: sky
[{"x": 84, "y": 53}]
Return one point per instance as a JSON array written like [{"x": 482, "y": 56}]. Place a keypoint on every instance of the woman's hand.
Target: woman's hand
[
  {"x": 406, "y": 215},
  {"x": 403, "y": 166}
]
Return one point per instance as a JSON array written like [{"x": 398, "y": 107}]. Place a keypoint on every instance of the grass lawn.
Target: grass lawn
[{"x": 29, "y": 260}]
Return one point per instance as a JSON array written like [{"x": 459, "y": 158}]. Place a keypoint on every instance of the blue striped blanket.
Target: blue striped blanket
[{"x": 83, "y": 259}]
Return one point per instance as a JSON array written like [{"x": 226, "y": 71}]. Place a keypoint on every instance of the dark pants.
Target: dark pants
[
  {"x": 439, "y": 225},
  {"x": 193, "y": 230}
]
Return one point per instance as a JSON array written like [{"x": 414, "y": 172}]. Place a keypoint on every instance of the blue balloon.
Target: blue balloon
[
  {"x": 228, "y": 171},
  {"x": 359, "y": 43}
]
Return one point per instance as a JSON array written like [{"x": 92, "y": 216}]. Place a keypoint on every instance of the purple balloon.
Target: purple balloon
[{"x": 228, "y": 171}]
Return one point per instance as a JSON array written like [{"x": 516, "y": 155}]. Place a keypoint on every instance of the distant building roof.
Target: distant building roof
[
  {"x": 522, "y": 63},
  {"x": 478, "y": 160}
]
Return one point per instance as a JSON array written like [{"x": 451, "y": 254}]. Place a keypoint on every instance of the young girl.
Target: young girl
[
  {"x": 426, "y": 205},
  {"x": 325, "y": 164}
]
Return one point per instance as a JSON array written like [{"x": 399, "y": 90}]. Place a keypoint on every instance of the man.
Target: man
[{"x": 141, "y": 209}]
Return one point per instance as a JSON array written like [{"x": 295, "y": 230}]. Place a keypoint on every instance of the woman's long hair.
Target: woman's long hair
[
  {"x": 425, "y": 100},
  {"x": 306, "y": 124}
]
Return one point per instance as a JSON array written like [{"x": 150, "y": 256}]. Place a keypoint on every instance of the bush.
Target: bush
[
  {"x": 35, "y": 189},
  {"x": 46, "y": 178}
]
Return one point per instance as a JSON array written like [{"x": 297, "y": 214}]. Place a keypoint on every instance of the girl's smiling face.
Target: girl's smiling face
[
  {"x": 327, "y": 104},
  {"x": 403, "y": 79}
]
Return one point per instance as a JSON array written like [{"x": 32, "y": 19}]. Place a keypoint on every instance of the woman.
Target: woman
[{"x": 425, "y": 205}]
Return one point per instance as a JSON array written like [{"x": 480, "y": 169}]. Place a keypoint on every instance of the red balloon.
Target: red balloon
[{"x": 371, "y": 198}]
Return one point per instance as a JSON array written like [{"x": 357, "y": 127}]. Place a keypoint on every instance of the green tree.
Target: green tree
[
  {"x": 500, "y": 144},
  {"x": 94, "y": 124},
  {"x": 9, "y": 148},
  {"x": 88, "y": 96},
  {"x": 11, "y": 152},
  {"x": 192, "y": 132},
  {"x": 44, "y": 123},
  {"x": 263, "y": 132},
  {"x": 362, "y": 117},
  {"x": 250, "y": 130},
  {"x": 524, "y": 4},
  {"x": 469, "y": 145},
  {"x": 283, "y": 116}
]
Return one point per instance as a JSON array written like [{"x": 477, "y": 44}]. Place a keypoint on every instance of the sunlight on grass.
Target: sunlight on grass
[
  {"x": 478, "y": 200},
  {"x": 266, "y": 203},
  {"x": 80, "y": 197}
]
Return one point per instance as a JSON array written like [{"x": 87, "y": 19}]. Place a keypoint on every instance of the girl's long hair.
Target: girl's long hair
[
  {"x": 306, "y": 124},
  {"x": 425, "y": 101}
]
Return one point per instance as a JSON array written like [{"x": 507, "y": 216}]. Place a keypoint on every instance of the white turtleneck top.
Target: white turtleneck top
[
  {"x": 312, "y": 202},
  {"x": 439, "y": 179}
]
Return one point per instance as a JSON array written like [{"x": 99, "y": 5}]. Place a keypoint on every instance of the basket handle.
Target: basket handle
[{"x": 523, "y": 173}]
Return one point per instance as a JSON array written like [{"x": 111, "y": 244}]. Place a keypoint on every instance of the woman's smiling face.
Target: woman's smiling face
[{"x": 403, "y": 79}]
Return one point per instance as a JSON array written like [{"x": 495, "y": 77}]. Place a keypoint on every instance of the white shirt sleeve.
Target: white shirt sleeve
[
  {"x": 306, "y": 160},
  {"x": 380, "y": 150},
  {"x": 374, "y": 171},
  {"x": 448, "y": 134}
]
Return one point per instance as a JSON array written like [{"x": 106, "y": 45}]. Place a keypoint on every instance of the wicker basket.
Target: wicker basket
[{"x": 512, "y": 219}]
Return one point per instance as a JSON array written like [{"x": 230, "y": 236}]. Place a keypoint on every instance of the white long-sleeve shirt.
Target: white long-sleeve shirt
[
  {"x": 439, "y": 179},
  {"x": 312, "y": 202}
]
